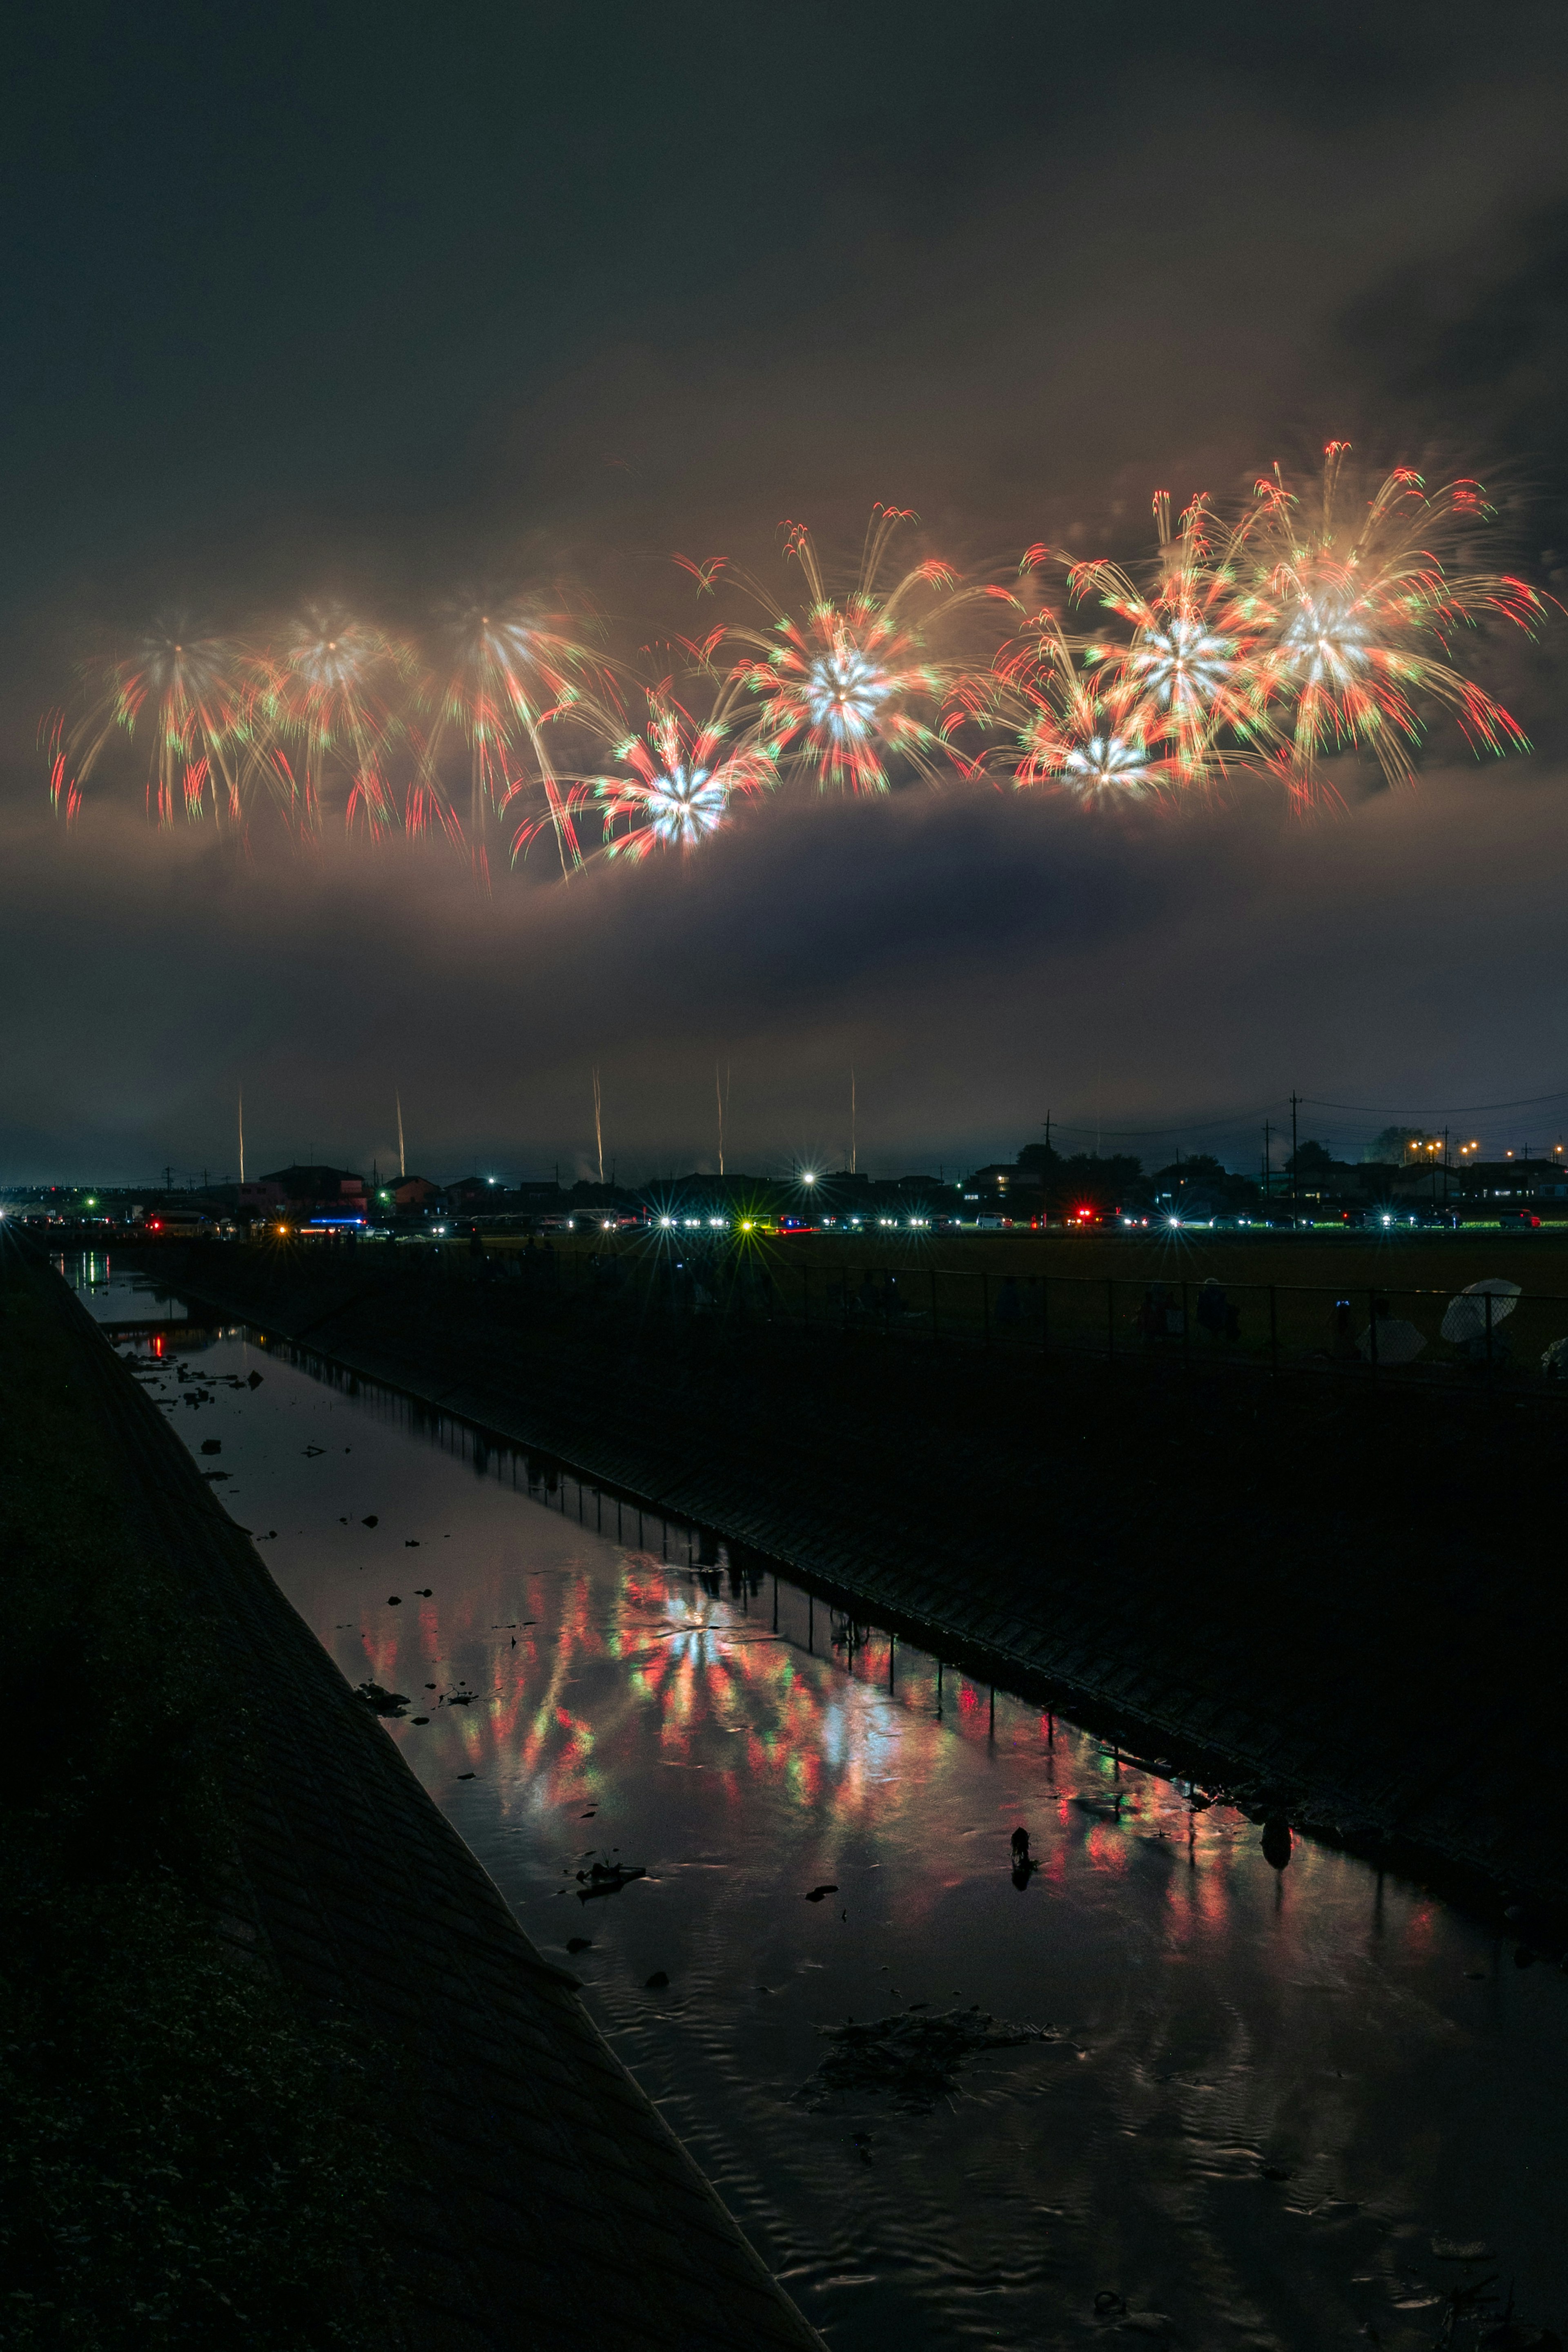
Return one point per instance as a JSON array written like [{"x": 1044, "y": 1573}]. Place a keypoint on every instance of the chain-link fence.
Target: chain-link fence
[{"x": 1482, "y": 1331}]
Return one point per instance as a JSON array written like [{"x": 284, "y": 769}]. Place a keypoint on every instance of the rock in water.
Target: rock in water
[{"x": 914, "y": 2058}]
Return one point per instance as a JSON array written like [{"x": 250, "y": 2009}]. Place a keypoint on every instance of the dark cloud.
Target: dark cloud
[{"x": 975, "y": 960}]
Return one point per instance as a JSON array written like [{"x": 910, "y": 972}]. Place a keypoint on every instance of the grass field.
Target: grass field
[{"x": 1294, "y": 1297}]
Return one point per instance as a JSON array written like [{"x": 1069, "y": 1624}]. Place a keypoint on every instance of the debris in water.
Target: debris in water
[
  {"x": 607, "y": 1878},
  {"x": 818, "y": 1891},
  {"x": 411, "y": 1543},
  {"x": 309, "y": 1450},
  {"x": 1020, "y": 1846},
  {"x": 384, "y": 1702},
  {"x": 579, "y": 1943},
  {"x": 425, "y": 1590},
  {"x": 656, "y": 1982},
  {"x": 368, "y": 1522},
  {"x": 915, "y": 2058},
  {"x": 212, "y": 1445},
  {"x": 211, "y": 1476},
  {"x": 419, "y": 1718},
  {"x": 253, "y": 1381},
  {"x": 861, "y": 2141},
  {"x": 394, "y": 1600},
  {"x": 1276, "y": 2172},
  {"x": 465, "y": 1776},
  {"x": 1467, "y": 2250}
]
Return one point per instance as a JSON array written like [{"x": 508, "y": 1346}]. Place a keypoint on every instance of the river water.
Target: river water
[{"x": 1275, "y": 2103}]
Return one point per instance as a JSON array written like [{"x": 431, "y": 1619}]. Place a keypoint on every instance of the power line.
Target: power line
[
  {"x": 1182, "y": 1127},
  {"x": 1391, "y": 1110}
]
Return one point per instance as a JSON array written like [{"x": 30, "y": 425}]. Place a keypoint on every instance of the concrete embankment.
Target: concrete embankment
[
  {"x": 550, "y": 2203},
  {"x": 1344, "y": 1601}
]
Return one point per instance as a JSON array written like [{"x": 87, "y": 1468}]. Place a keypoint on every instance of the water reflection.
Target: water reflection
[
  {"x": 114, "y": 1293},
  {"x": 1270, "y": 2088}
]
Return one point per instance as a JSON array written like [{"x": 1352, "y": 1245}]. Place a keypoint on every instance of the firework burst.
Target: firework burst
[
  {"x": 676, "y": 782},
  {"x": 329, "y": 690},
  {"x": 509, "y": 672},
  {"x": 850, "y": 687},
  {"x": 1316, "y": 621},
  {"x": 1093, "y": 735},
  {"x": 186, "y": 698},
  {"x": 1184, "y": 673},
  {"x": 1356, "y": 603}
]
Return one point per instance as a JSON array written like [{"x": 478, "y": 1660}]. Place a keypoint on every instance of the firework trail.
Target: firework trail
[
  {"x": 328, "y": 694},
  {"x": 850, "y": 685},
  {"x": 187, "y": 698},
  {"x": 510, "y": 671}
]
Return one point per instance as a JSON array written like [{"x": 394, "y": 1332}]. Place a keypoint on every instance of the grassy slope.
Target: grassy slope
[{"x": 187, "y": 2160}]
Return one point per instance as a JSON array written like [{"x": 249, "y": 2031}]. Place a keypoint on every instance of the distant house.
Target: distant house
[
  {"x": 413, "y": 1191},
  {"x": 1516, "y": 1176},
  {"x": 1001, "y": 1182},
  {"x": 475, "y": 1192},
  {"x": 334, "y": 1191}
]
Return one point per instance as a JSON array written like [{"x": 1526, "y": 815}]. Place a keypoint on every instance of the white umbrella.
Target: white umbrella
[{"x": 1466, "y": 1317}]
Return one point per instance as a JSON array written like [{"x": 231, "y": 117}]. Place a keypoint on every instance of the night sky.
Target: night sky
[{"x": 391, "y": 303}]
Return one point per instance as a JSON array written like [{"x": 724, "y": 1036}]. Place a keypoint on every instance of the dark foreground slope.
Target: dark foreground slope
[
  {"x": 283, "y": 2069},
  {"x": 1348, "y": 1598}
]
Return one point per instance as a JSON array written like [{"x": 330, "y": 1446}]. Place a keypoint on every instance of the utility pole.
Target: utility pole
[
  {"x": 168, "y": 1179},
  {"x": 1295, "y": 1175}
]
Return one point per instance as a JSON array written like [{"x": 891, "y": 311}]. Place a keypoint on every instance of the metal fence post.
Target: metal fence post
[
  {"x": 1273, "y": 1331},
  {"x": 986, "y": 1307},
  {"x": 805, "y": 1293},
  {"x": 1186, "y": 1331},
  {"x": 1110, "y": 1317},
  {"x": 933, "y": 1326},
  {"x": 1372, "y": 1333},
  {"x": 1486, "y": 1294},
  {"x": 1045, "y": 1314}
]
